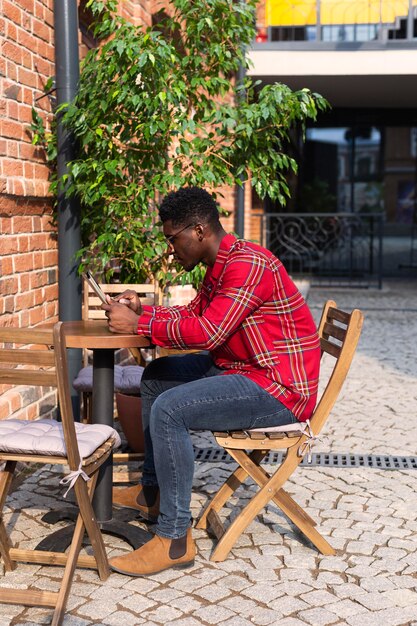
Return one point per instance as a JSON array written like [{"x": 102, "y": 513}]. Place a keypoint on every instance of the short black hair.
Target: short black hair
[{"x": 190, "y": 205}]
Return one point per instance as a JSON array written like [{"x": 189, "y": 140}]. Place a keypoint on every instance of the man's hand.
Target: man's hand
[
  {"x": 122, "y": 319},
  {"x": 131, "y": 299}
]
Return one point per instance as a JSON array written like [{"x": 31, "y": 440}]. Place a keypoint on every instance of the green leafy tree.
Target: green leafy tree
[{"x": 157, "y": 109}]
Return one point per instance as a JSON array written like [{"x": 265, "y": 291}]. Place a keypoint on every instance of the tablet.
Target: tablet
[{"x": 95, "y": 287}]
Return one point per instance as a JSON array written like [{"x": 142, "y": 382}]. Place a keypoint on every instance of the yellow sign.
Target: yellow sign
[{"x": 304, "y": 12}]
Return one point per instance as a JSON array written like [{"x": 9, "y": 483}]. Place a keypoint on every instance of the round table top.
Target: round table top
[{"x": 95, "y": 334}]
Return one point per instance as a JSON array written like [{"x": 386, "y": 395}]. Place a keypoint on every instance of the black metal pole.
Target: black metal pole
[{"x": 67, "y": 72}]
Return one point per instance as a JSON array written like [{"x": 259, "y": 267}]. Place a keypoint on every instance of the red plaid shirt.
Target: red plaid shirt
[{"x": 251, "y": 317}]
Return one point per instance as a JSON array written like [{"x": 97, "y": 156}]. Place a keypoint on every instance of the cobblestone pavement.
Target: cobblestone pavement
[{"x": 272, "y": 575}]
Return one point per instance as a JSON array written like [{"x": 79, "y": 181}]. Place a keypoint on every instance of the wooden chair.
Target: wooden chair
[
  {"x": 339, "y": 334},
  {"x": 149, "y": 293},
  {"x": 35, "y": 357},
  {"x": 91, "y": 310}
]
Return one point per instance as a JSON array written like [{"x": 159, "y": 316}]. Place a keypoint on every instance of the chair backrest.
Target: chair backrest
[
  {"x": 149, "y": 293},
  {"x": 30, "y": 348},
  {"x": 38, "y": 357},
  {"x": 339, "y": 335}
]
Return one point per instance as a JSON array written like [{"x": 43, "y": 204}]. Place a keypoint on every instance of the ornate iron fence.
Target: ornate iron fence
[{"x": 330, "y": 248}]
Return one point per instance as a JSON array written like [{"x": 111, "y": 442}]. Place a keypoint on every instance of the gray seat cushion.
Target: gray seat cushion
[
  {"x": 46, "y": 437},
  {"x": 126, "y": 379}
]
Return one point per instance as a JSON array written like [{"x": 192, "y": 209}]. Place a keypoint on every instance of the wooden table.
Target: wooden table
[{"x": 95, "y": 335}]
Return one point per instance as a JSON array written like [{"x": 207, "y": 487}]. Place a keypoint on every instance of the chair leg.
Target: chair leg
[
  {"x": 6, "y": 477},
  {"x": 268, "y": 486},
  {"x": 87, "y": 409},
  {"x": 5, "y": 547},
  {"x": 84, "y": 495},
  {"x": 86, "y": 521},
  {"x": 66, "y": 582},
  {"x": 228, "y": 488},
  {"x": 303, "y": 522}
]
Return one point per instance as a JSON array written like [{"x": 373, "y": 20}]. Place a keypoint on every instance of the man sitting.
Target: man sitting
[{"x": 260, "y": 367}]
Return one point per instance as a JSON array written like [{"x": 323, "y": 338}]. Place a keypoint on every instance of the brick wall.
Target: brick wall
[
  {"x": 28, "y": 242},
  {"x": 28, "y": 251}
]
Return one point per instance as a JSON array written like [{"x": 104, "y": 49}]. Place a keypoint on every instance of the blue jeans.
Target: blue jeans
[{"x": 186, "y": 392}]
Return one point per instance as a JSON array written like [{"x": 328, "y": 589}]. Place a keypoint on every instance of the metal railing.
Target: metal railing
[{"x": 343, "y": 249}]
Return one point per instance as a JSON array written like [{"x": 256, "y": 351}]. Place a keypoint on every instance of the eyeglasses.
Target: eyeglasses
[{"x": 171, "y": 238}]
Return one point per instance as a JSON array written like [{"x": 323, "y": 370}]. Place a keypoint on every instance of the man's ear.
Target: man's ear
[{"x": 199, "y": 229}]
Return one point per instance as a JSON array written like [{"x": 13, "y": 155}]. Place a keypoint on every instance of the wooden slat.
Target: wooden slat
[
  {"x": 116, "y": 288},
  {"x": 238, "y": 434},
  {"x": 330, "y": 348},
  {"x": 27, "y": 377},
  {"x": 28, "y": 597},
  {"x": 26, "y": 335},
  {"x": 215, "y": 524},
  {"x": 33, "y": 357},
  {"x": 125, "y": 457},
  {"x": 339, "y": 315},
  {"x": 221, "y": 434},
  {"x": 126, "y": 477},
  {"x": 334, "y": 331},
  {"x": 43, "y": 557}
]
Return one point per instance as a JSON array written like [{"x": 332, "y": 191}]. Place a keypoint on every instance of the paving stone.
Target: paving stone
[
  {"x": 237, "y": 621},
  {"x": 266, "y": 617},
  {"x": 318, "y": 598},
  {"x": 162, "y": 614},
  {"x": 165, "y": 595},
  {"x": 186, "y": 603},
  {"x": 214, "y": 614},
  {"x": 360, "y": 547},
  {"x": 345, "y": 608},
  {"x": 377, "y": 583},
  {"x": 374, "y": 601},
  {"x": 330, "y": 578},
  {"x": 183, "y": 621},
  {"x": 97, "y": 609},
  {"x": 263, "y": 575},
  {"x": 392, "y": 616},
  {"x": 291, "y": 621},
  {"x": 213, "y": 593},
  {"x": 123, "y": 617},
  {"x": 403, "y": 597},
  {"x": 263, "y": 593},
  {"x": 318, "y": 617},
  {"x": 239, "y": 605},
  {"x": 404, "y": 582},
  {"x": 287, "y": 605}
]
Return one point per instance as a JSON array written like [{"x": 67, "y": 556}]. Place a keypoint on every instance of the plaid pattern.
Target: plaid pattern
[{"x": 253, "y": 320}]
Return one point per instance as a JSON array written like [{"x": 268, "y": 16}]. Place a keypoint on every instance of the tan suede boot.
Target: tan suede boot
[
  {"x": 157, "y": 555},
  {"x": 134, "y": 498}
]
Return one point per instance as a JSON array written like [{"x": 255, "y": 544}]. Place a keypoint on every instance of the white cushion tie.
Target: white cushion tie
[
  {"x": 307, "y": 445},
  {"x": 72, "y": 477},
  {"x": 302, "y": 428}
]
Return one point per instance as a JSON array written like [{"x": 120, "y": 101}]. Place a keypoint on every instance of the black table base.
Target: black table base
[{"x": 119, "y": 527}]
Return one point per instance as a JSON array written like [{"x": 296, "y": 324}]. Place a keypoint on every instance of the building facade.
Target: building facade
[{"x": 362, "y": 56}]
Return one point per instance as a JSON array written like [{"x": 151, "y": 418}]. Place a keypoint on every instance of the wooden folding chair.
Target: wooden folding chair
[
  {"x": 149, "y": 293},
  {"x": 91, "y": 310},
  {"x": 339, "y": 334},
  {"x": 35, "y": 357}
]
